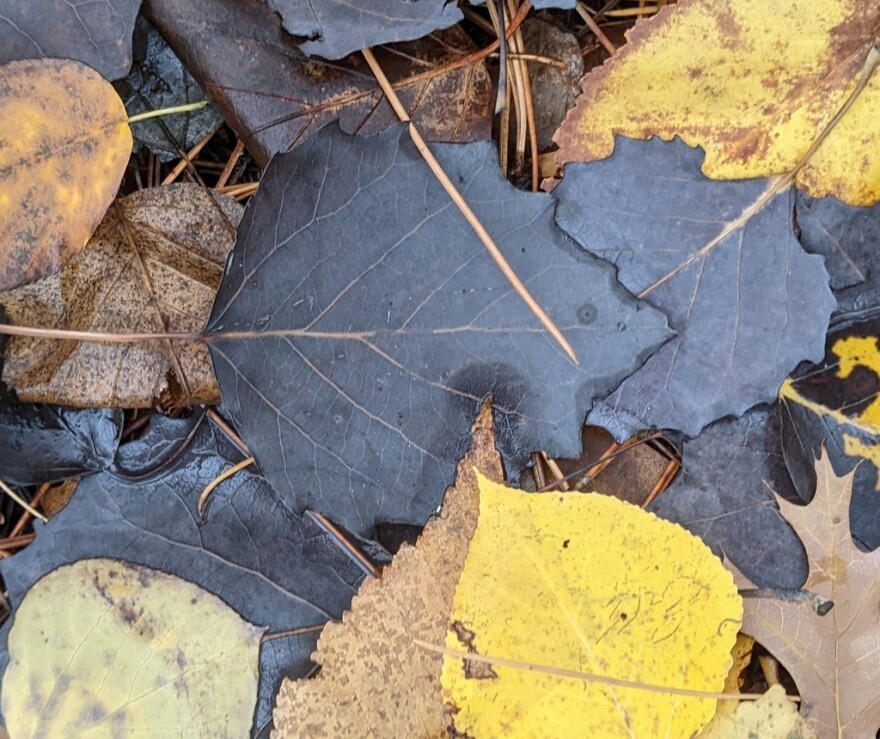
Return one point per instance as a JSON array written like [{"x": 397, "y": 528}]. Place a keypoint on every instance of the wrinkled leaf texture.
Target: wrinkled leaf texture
[
  {"x": 96, "y": 33},
  {"x": 375, "y": 324},
  {"x": 336, "y": 27},
  {"x": 747, "y": 310},
  {"x": 274, "y": 96},
  {"x": 264, "y": 561}
]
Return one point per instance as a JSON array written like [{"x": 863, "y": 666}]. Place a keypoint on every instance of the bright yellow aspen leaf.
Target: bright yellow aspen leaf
[
  {"x": 752, "y": 82},
  {"x": 101, "y": 648},
  {"x": 589, "y": 583},
  {"x": 64, "y": 146}
]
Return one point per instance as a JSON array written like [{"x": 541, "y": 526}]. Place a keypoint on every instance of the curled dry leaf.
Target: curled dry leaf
[
  {"x": 64, "y": 146},
  {"x": 154, "y": 264}
]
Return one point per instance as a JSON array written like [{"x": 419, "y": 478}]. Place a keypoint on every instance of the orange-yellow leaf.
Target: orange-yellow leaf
[
  {"x": 753, "y": 82},
  {"x": 587, "y": 583},
  {"x": 64, "y": 146}
]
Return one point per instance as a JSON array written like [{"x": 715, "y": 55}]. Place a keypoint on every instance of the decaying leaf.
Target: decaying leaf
[
  {"x": 64, "y": 147},
  {"x": 271, "y": 566},
  {"x": 97, "y": 34},
  {"x": 154, "y": 264},
  {"x": 833, "y": 658},
  {"x": 586, "y": 582},
  {"x": 361, "y": 324},
  {"x": 374, "y": 681},
  {"x": 748, "y": 304},
  {"x": 754, "y": 83},
  {"x": 117, "y": 649},
  {"x": 274, "y": 96},
  {"x": 774, "y": 716}
]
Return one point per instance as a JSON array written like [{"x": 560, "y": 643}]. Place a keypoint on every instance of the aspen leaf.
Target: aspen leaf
[
  {"x": 106, "y": 648},
  {"x": 588, "y": 583},
  {"x": 64, "y": 146},
  {"x": 754, "y": 83}
]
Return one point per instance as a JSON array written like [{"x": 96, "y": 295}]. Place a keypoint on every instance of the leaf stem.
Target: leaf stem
[
  {"x": 168, "y": 111},
  {"x": 586, "y": 676},
  {"x": 96, "y": 336},
  {"x": 465, "y": 209}
]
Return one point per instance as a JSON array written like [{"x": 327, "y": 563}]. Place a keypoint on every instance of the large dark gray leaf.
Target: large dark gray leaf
[
  {"x": 849, "y": 239},
  {"x": 274, "y": 96},
  {"x": 747, "y": 309},
  {"x": 97, "y": 33},
  {"x": 339, "y": 27},
  {"x": 268, "y": 564},
  {"x": 724, "y": 495},
  {"x": 375, "y": 323}
]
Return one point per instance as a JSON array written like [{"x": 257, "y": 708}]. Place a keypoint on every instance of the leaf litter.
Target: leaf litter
[{"x": 353, "y": 369}]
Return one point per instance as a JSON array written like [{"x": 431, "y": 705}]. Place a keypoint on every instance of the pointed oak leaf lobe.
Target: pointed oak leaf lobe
[
  {"x": 372, "y": 323},
  {"x": 747, "y": 309}
]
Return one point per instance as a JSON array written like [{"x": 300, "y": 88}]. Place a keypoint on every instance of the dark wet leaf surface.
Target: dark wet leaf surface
[
  {"x": 848, "y": 237},
  {"x": 724, "y": 495},
  {"x": 97, "y": 33},
  {"x": 267, "y": 563},
  {"x": 274, "y": 96},
  {"x": 378, "y": 323},
  {"x": 746, "y": 310}
]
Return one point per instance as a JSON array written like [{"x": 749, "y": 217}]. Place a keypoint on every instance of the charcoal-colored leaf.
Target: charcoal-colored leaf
[
  {"x": 361, "y": 323},
  {"x": 335, "y": 28},
  {"x": 273, "y": 568},
  {"x": 158, "y": 80},
  {"x": 48, "y": 443},
  {"x": 724, "y": 495},
  {"x": 849, "y": 238},
  {"x": 747, "y": 302},
  {"x": 97, "y": 33},
  {"x": 274, "y": 96}
]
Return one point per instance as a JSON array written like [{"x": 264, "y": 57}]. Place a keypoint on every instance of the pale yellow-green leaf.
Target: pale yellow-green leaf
[
  {"x": 102, "y": 648},
  {"x": 588, "y": 583},
  {"x": 773, "y": 716},
  {"x": 752, "y": 82}
]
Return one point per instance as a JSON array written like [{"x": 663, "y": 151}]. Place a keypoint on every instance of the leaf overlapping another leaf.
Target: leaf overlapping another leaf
[
  {"x": 747, "y": 302},
  {"x": 361, "y": 324}
]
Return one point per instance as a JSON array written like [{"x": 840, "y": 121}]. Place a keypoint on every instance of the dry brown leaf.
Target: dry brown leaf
[
  {"x": 834, "y": 659},
  {"x": 182, "y": 238},
  {"x": 374, "y": 682}
]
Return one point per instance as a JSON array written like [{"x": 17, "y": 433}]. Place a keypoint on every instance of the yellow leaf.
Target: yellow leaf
[
  {"x": 589, "y": 583},
  {"x": 754, "y": 83},
  {"x": 773, "y": 716},
  {"x": 64, "y": 146},
  {"x": 102, "y": 648}
]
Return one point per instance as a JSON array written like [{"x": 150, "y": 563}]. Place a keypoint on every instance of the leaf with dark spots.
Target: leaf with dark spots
[
  {"x": 273, "y": 568},
  {"x": 724, "y": 495},
  {"x": 361, "y": 323},
  {"x": 97, "y": 33},
  {"x": 848, "y": 237},
  {"x": 274, "y": 96},
  {"x": 721, "y": 260}
]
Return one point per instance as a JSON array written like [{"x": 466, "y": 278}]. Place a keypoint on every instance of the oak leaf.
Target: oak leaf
[{"x": 831, "y": 654}]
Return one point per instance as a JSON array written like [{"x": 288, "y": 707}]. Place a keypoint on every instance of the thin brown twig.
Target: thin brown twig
[
  {"x": 22, "y": 502},
  {"x": 230, "y": 165},
  {"x": 211, "y": 486},
  {"x": 343, "y": 542},
  {"x": 594, "y": 27},
  {"x": 186, "y": 161},
  {"x": 588, "y": 677},
  {"x": 25, "y": 517},
  {"x": 465, "y": 209}
]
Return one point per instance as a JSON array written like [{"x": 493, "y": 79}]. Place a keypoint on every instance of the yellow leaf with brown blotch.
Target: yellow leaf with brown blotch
[
  {"x": 754, "y": 83},
  {"x": 64, "y": 146},
  {"x": 590, "y": 584}
]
